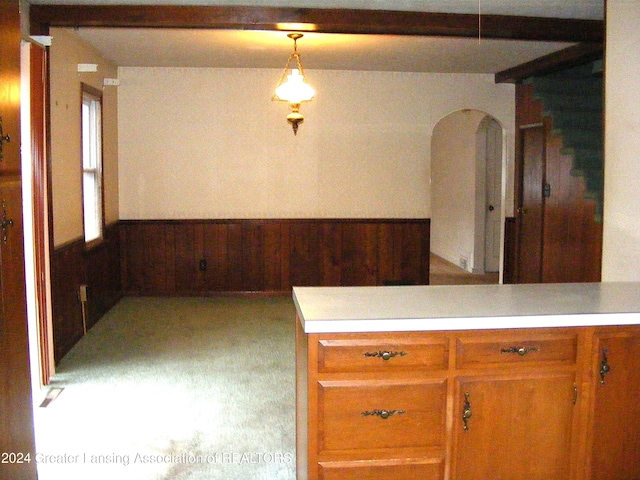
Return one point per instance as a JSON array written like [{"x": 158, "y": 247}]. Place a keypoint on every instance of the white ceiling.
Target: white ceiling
[{"x": 260, "y": 49}]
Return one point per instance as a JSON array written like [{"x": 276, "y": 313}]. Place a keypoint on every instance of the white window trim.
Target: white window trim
[{"x": 92, "y": 178}]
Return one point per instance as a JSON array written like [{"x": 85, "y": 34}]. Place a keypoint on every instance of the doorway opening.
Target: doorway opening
[{"x": 467, "y": 191}]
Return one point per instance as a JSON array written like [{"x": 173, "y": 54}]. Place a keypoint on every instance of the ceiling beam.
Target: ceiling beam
[
  {"x": 553, "y": 62},
  {"x": 318, "y": 20}
]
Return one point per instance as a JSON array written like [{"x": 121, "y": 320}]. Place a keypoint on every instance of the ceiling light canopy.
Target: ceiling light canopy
[{"x": 292, "y": 86}]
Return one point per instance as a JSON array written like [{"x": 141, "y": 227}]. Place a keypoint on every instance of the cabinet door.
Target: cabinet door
[
  {"x": 519, "y": 427},
  {"x": 615, "y": 449}
]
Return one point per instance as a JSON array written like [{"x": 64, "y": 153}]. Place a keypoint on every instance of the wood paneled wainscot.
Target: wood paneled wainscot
[
  {"x": 203, "y": 257},
  {"x": 73, "y": 265},
  {"x": 467, "y": 383}
]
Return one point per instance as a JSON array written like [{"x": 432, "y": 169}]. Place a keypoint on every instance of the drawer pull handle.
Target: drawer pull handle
[
  {"x": 383, "y": 414},
  {"x": 522, "y": 351},
  {"x": 466, "y": 412},
  {"x": 384, "y": 355},
  {"x": 604, "y": 366}
]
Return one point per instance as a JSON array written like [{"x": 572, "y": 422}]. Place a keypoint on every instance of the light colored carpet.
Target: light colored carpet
[
  {"x": 176, "y": 388},
  {"x": 183, "y": 389}
]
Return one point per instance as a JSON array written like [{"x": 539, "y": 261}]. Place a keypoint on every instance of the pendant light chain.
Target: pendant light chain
[{"x": 479, "y": 21}]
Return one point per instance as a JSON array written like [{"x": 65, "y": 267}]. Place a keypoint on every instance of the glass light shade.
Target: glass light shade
[{"x": 295, "y": 89}]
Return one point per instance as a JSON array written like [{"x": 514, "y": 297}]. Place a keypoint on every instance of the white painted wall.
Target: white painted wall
[
  {"x": 621, "y": 249},
  {"x": 209, "y": 143}
]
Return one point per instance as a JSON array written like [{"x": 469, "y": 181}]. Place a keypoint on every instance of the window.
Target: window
[{"x": 92, "y": 163}]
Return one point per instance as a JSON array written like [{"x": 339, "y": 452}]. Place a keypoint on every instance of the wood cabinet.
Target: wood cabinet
[
  {"x": 501, "y": 404},
  {"x": 375, "y": 407},
  {"x": 615, "y": 436},
  {"x": 520, "y": 426},
  {"x": 519, "y": 393},
  {"x": 16, "y": 409}
]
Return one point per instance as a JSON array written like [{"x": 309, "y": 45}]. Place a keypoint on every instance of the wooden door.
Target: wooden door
[
  {"x": 16, "y": 410},
  {"x": 615, "y": 439},
  {"x": 519, "y": 427},
  {"x": 530, "y": 211}
]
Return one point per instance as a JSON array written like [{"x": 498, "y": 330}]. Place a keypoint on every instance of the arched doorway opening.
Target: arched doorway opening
[{"x": 467, "y": 191}]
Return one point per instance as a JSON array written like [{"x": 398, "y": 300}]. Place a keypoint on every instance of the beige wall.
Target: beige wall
[
  {"x": 209, "y": 143},
  {"x": 345, "y": 132},
  {"x": 621, "y": 250},
  {"x": 66, "y": 163}
]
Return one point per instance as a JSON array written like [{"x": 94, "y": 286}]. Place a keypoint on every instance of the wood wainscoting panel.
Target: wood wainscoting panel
[
  {"x": 72, "y": 265},
  {"x": 67, "y": 274},
  {"x": 103, "y": 275},
  {"x": 205, "y": 257}
]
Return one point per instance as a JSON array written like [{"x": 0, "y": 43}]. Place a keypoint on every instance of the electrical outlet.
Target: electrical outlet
[
  {"x": 464, "y": 262},
  {"x": 202, "y": 265}
]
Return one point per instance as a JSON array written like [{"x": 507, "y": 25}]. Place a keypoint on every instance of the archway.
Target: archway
[{"x": 467, "y": 190}]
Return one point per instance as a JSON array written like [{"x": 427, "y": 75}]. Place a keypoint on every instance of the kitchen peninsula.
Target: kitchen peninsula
[{"x": 468, "y": 382}]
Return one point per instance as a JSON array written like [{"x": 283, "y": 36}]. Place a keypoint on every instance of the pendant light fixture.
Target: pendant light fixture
[{"x": 292, "y": 86}]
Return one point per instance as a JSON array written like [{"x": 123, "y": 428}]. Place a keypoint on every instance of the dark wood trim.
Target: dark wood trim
[
  {"x": 318, "y": 20},
  {"x": 554, "y": 62}
]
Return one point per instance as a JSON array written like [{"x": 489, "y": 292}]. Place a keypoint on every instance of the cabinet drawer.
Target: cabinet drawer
[
  {"x": 375, "y": 414},
  {"x": 488, "y": 352},
  {"x": 381, "y": 469},
  {"x": 359, "y": 355}
]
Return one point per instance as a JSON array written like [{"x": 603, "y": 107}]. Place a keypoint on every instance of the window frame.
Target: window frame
[{"x": 95, "y": 96}]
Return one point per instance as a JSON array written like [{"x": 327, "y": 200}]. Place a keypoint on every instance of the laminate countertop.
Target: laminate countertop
[{"x": 466, "y": 307}]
